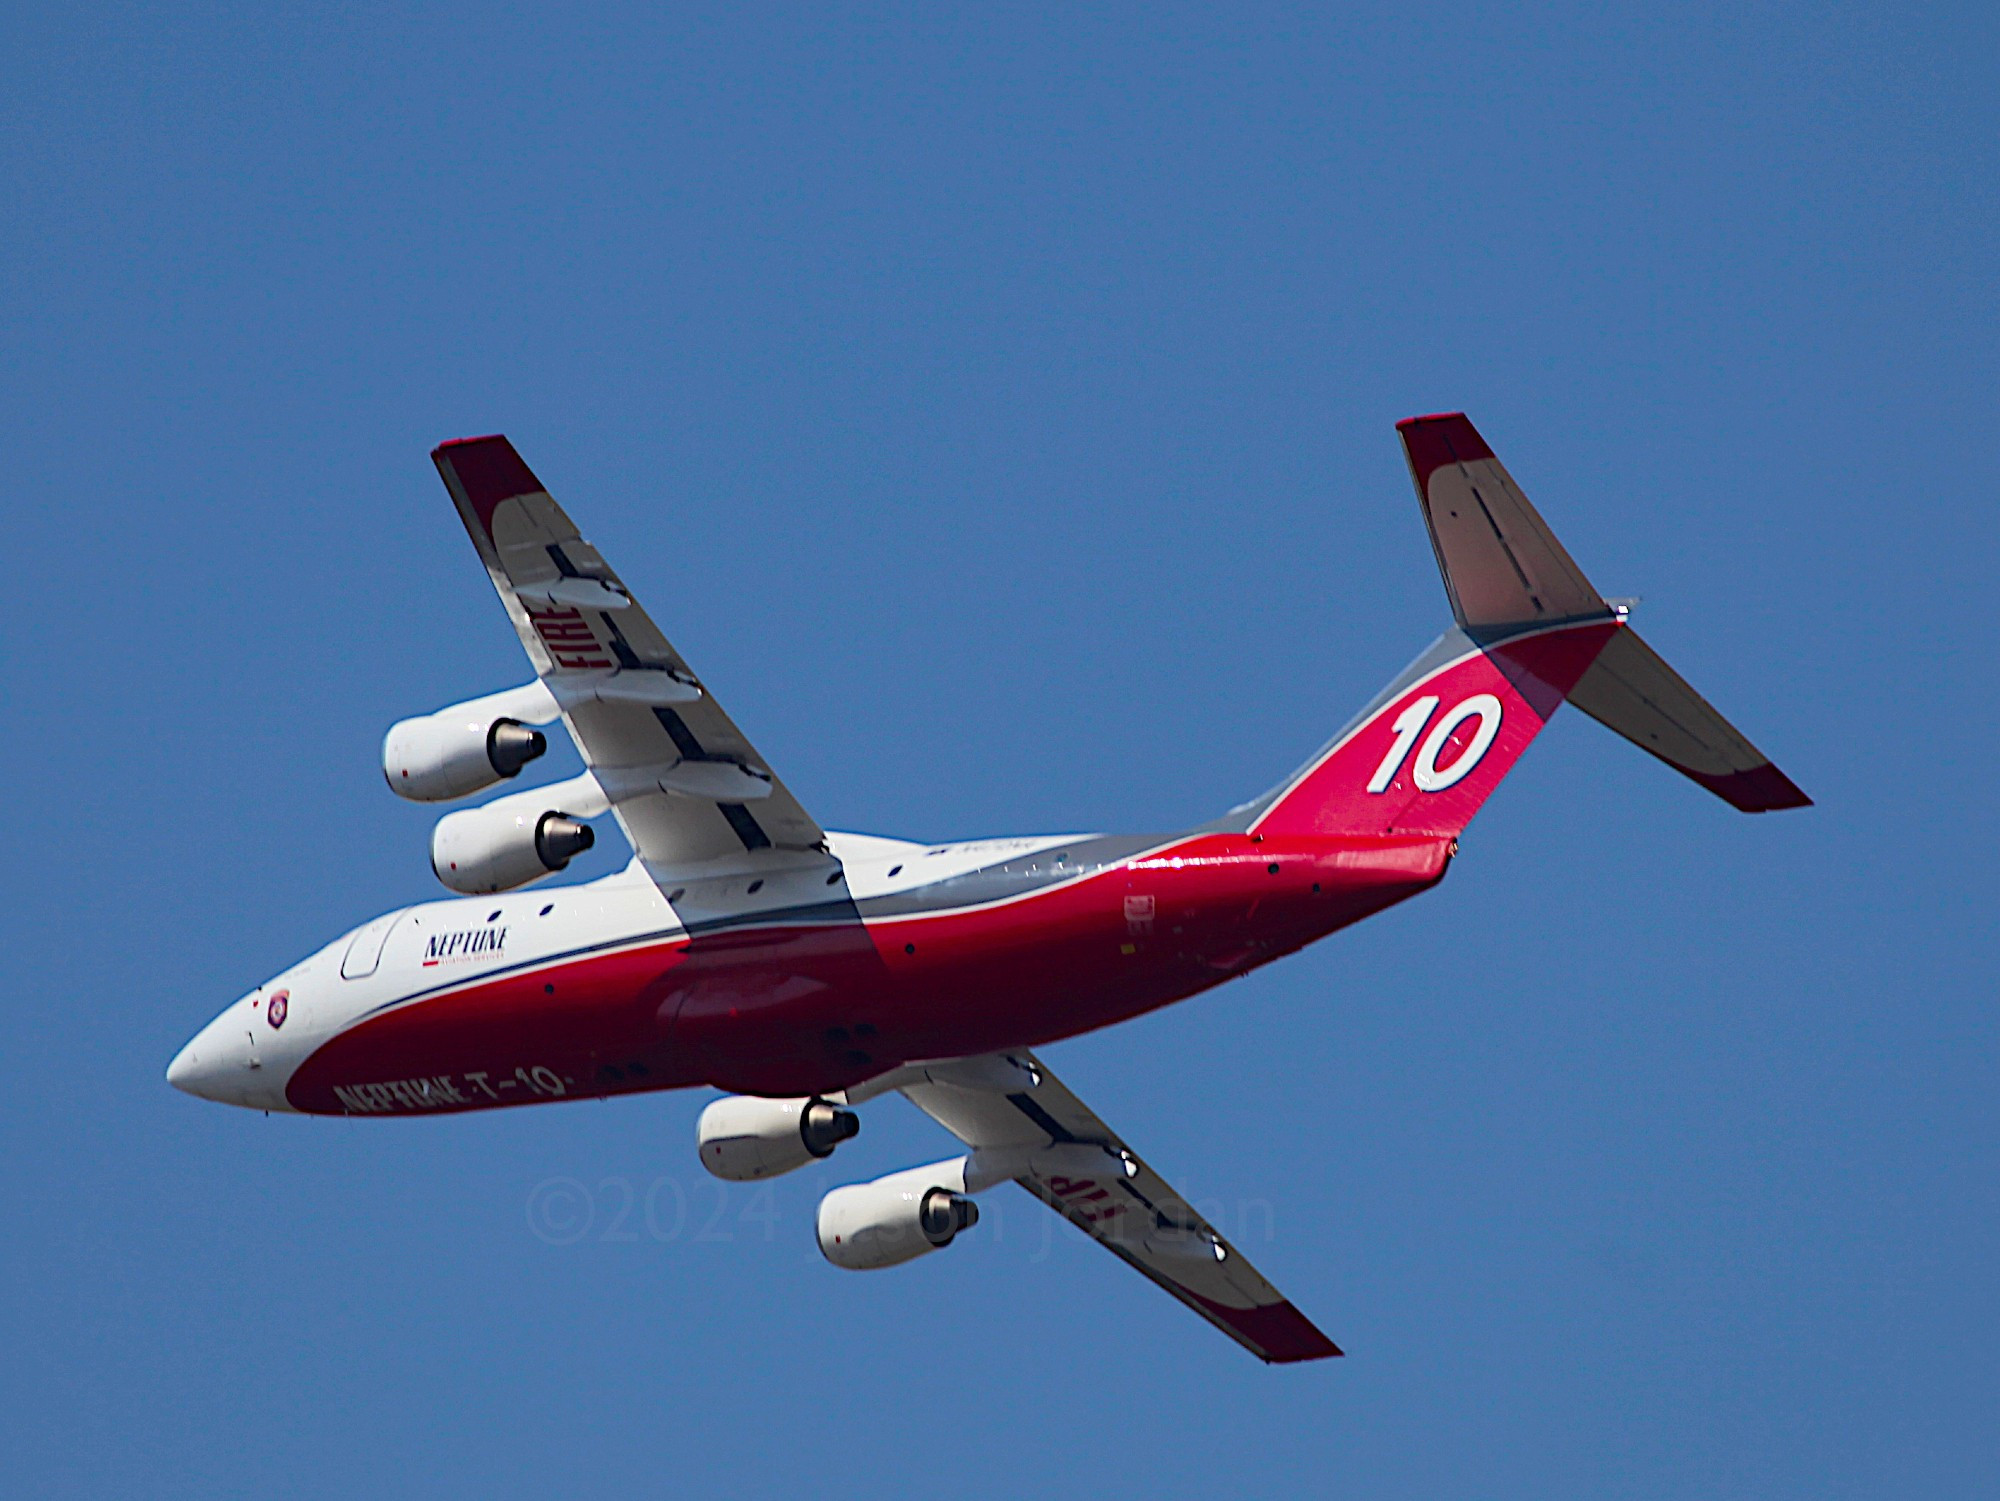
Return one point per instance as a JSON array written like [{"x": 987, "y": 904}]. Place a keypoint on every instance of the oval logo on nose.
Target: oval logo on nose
[{"x": 281, "y": 1005}]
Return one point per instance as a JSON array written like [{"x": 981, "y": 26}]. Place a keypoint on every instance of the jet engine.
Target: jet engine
[
  {"x": 461, "y": 750},
  {"x": 505, "y": 844},
  {"x": 896, "y": 1219},
  {"x": 743, "y": 1138}
]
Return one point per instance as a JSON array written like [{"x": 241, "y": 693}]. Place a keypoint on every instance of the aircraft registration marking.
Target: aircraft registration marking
[{"x": 443, "y": 1091}]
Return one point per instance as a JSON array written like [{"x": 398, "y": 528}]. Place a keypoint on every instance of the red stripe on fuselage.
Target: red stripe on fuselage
[{"x": 790, "y": 1009}]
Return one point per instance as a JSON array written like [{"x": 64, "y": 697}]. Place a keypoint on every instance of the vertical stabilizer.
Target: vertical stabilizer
[{"x": 1502, "y": 565}]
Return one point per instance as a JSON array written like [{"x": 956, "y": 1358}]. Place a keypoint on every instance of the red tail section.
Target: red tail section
[
  {"x": 1532, "y": 631},
  {"x": 1441, "y": 739}
]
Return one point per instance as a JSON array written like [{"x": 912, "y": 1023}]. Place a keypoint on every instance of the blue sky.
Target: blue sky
[{"x": 998, "y": 410}]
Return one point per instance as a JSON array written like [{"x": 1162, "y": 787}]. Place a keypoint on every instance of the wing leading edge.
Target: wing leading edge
[{"x": 1110, "y": 1194}]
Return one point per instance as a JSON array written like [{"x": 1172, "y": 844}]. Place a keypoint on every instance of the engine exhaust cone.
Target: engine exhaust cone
[
  {"x": 943, "y": 1214},
  {"x": 823, "y": 1126},
  {"x": 510, "y": 745},
  {"x": 560, "y": 839}
]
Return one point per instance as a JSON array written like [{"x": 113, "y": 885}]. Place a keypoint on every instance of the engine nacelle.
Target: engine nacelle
[
  {"x": 505, "y": 844},
  {"x": 743, "y": 1138},
  {"x": 458, "y": 751},
  {"x": 896, "y": 1219}
]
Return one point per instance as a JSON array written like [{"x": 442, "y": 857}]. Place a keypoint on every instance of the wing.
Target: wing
[
  {"x": 1050, "y": 1143},
  {"x": 685, "y": 783}
]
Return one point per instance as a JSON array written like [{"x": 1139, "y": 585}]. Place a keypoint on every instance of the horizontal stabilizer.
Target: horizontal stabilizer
[{"x": 1631, "y": 689}]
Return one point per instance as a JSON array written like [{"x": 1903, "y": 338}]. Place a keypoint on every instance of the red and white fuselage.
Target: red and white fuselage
[{"x": 611, "y": 988}]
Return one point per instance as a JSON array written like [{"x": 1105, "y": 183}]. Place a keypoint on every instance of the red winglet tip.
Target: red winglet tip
[
  {"x": 489, "y": 471},
  {"x": 1277, "y": 1333}
]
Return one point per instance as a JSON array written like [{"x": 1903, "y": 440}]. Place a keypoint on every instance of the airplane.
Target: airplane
[{"x": 806, "y": 972}]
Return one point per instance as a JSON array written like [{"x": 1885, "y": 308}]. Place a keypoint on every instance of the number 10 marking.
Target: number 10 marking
[{"x": 1426, "y": 773}]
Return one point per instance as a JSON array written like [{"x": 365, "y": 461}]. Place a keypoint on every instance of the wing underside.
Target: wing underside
[{"x": 1074, "y": 1163}]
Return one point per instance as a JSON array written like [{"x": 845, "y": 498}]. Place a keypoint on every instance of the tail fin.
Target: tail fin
[
  {"x": 1502, "y": 566},
  {"x": 1531, "y": 632}
]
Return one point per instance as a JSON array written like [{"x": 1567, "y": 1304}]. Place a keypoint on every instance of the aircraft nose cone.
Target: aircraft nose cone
[
  {"x": 204, "y": 1068},
  {"x": 221, "y": 1063},
  {"x": 185, "y": 1069},
  {"x": 247, "y": 1054}
]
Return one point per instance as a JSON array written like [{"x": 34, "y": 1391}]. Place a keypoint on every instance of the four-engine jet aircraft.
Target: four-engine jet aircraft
[{"x": 807, "y": 972}]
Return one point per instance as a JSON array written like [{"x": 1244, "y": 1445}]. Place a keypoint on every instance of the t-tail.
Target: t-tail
[{"x": 1531, "y": 632}]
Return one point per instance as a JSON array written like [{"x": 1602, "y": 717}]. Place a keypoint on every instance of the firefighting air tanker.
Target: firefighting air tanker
[{"x": 808, "y": 972}]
